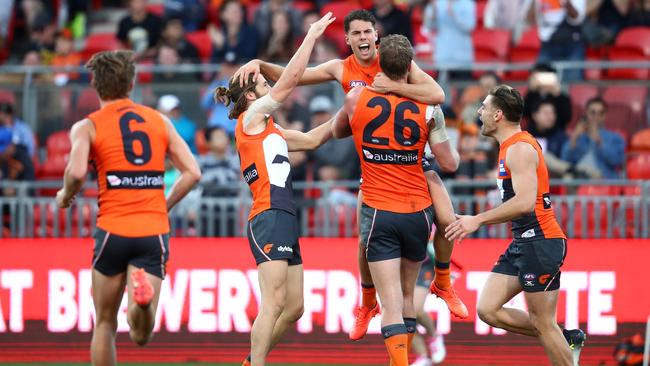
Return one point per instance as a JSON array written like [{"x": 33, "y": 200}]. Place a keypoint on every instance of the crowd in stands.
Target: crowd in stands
[{"x": 584, "y": 129}]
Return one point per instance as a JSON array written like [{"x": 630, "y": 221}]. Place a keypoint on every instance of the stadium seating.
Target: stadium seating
[
  {"x": 632, "y": 44},
  {"x": 526, "y": 50},
  {"x": 58, "y": 143},
  {"x": 632, "y": 96},
  {"x": 7, "y": 96},
  {"x": 638, "y": 166},
  {"x": 641, "y": 141},
  {"x": 100, "y": 42},
  {"x": 339, "y": 9},
  {"x": 201, "y": 40},
  {"x": 580, "y": 94},
  {"x": 490, "y": 45}
]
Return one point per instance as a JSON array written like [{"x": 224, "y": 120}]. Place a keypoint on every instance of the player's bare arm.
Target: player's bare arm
[
  {"x": 341, "y": 124},
  {"x": 522, "y": 160},
  {"x": 183, "y": 160},
  {"x": 75, "y": 172},
  {"x": 301, "y": 141},
  {"x": 446, "y": 155},
  {"x": 421, "y": 86},
  {"x": 328, "y": 71},
  {"x": 255, "y": 119}
]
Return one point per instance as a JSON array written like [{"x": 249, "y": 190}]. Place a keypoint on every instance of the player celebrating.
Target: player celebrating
[
  {"x": 128, "y": 144},
  {"x": 532, "y": 261},
  {"x": 272, "y": 230},
  {"x": 361, "y": 69},
  {"x": 390, "y": 134}
]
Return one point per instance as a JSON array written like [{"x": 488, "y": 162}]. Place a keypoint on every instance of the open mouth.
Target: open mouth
[{"x": 364, "y": 48}]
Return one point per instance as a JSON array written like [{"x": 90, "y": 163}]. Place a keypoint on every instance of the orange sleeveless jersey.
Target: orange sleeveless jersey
[
  {"x": 129, "y": 150},
  {"x": 264, "y": 163},
  {"x": 354, "y": 74},
  {"x": 542, "y": 222},
  {"x": 390, "y": 134}
]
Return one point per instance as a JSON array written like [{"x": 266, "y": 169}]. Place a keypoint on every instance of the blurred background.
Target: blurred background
[{"x": 583, "y": 67}]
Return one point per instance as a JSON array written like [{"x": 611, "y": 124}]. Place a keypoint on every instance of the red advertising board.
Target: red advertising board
[{"x": 209, "y": 301}]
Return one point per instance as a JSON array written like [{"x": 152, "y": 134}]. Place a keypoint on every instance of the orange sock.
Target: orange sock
[
  {"x": 368, "y": 297},
  {"x": 397, "y": 349},
  {"x": 442, "y": 279}
]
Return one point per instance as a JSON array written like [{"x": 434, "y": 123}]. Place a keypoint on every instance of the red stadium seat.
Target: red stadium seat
[
  {"x": 7, "y": 96},
  {"x": 145, "y": 77},
  {"x": 57, "y": 144},
  {"x": 156, "y": 9},
  {"x": 201, "y": 40},
  {"x": 340, "y": 9},
  {"x": 596, "y": 214},
  {"x": 595, "y": 54},
  {"x": 632, "y": 96},
  {"x": 526, "y": 50},
  {"x": 641, "y": 141},
  {"x": 490, "y": 45},
  {"x": 480, "y": 12},
  {"x": 635, "y": 38},
  {"x": 580, "y": 94},
  {"x": 87, "y": 102},
  {"x": 632, "y": 44},
  {"x": 303, "y": 6},
  {"x": 100, "y": 42},
  {"x": 638, "y": 166}
]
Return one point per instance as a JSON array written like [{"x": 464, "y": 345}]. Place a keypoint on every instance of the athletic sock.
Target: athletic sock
[
  {"x": 396, "y": 339},
  {"x": 442, "y": 279},
  {"x": 368, "y": 296},
  {"x": 411, "y": 325}
]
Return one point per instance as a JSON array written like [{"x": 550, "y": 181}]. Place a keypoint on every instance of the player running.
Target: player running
[
  {"x": 128, "y": 144},
  {"x": 272, "y": 228},
  {"x": 532, "y": 262},
  {"x": 390, "y": 134}
]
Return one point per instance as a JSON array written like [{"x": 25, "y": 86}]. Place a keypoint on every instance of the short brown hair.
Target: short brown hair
[
  {"x": 360, "y": 14},
  {"x": 235, "y": 94},
  {"x": 395, "y": 56},
  {"x": 509, "y": 101},
  {"x": 113, "y": 73}
]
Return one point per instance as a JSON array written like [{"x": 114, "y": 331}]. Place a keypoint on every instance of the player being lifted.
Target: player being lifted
[{"x": 362, "y": 68}]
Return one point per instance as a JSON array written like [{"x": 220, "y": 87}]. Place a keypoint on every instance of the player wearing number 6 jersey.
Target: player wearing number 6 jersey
[
  {"x": 272, "y": 228},
  {"x": 390, "y": 133},
  {"x": 128, "y": 144}
]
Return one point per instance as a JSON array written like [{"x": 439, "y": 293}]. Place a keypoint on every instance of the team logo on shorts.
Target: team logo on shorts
[
  {"x": 529, "y": 279},
  {"x": 267, "y": 248},
  {"x": 544, "y": 278},
  {"x": 285, "y": 249},
  {"x": 354, "y": 83}
]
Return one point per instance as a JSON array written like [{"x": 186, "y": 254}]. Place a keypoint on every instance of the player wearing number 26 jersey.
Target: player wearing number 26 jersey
[{"x": 128, "y": 144}]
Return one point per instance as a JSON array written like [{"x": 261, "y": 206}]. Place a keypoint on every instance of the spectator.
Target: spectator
[
  {"x": 604, "y": 19},
  {"x": 182, "y": 84},
  {"x": 220, "y": 165},
  {"x": 486, "y": 82},
  {"x": 234, "y": 37},
  {"x": 391, "y": 20},
  {"x": 453, "y": 21},
  {"x": 64, "y": 55},
  {"x": 639, "y": 15},
  {"x": 15, "y": 159},
  {"x": 593, "y": 148},
  {"x": 262, "y": 18},
  {"x": 42, "y": 37},
  {"x": 190, "y": 12},
  {"x": 173, "y": 36},
  {"x": 170, "y": 106},
  {"x": 543, "y": 85},
  {"x": 550, "y": 139},
  {"x": 559, "y": 27},
  {"x": 334, "y": 153},
  {"x": 507, "y": 14},
  {"x": 218, "y": 112},
  {"x": 280, "y": 44},
  {"x": 21, "y": 133},
  {"x": 140, "y": 30}
]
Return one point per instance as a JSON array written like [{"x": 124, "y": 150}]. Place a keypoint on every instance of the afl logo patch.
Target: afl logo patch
[{"x": 354, "y": 83}]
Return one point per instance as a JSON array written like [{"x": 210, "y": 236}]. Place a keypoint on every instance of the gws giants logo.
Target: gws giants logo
[{"x": 354, "y": 83}]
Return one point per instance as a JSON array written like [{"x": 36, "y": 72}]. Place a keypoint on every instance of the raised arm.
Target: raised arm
[
  {"x": 184, "y": 161},
  {"x": 421, "y": 86},
  {"x": 328, "y": 71},
  {"x": 75, "y": 172},
  {"x": 301, "y": 141},
  {"x": 522, "y": 161},
  {"x": 446, "y": 155},
  {"x": 341, "y": 126}
]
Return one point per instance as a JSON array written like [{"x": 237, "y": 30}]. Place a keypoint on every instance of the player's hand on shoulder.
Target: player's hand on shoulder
[
  {"x": 316, "y": 29},
  {"x": 382, "y": 84},
  {"x": 62, "y": 201},
  {"x": 463, "y": 226},
  {"x": 251, "y": 67}
]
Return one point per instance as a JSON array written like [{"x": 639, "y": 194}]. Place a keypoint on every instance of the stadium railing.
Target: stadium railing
[{"x": 585, "y": 209}]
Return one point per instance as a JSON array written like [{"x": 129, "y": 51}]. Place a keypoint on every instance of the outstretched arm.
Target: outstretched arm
[
  {"x": 301, "y": 141},
  {"x": 75, "y": 172},
  {"x": 421, "y": 86},
  {"x": 522, "y": 161}
]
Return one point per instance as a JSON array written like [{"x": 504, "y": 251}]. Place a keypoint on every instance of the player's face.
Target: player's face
[
  {"x": 262, "y": 88},
  {"x": 486, "y": 115},
  {"x": 361, "y": 38}
]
